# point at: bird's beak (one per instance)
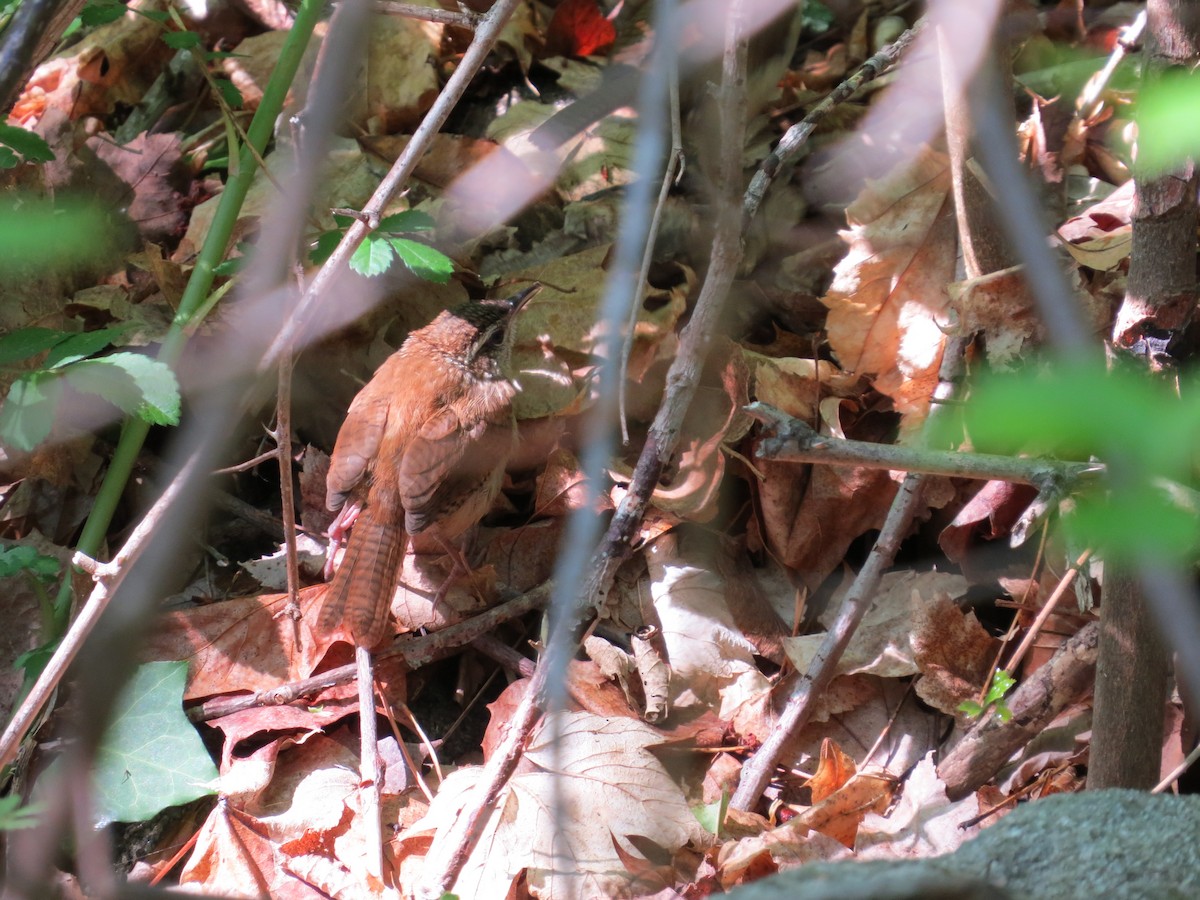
(518, 300)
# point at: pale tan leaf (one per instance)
(568, 821)
(888, 296)
(924, 823)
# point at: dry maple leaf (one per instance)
(589, 794)
(889, 292)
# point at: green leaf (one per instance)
(28, 410)
(56, 236)
(31, 146)
(1002, 683)
(151, 756)
(423, 260)
(407, 221)
(229, 93)
(1168, 121)
(23, 558)
(101, 13)
(26, 342)
(373, 257)
(13, 816)
(182, 40)
(971, 708)
(816, 18)
(343, 221)
(136, 384)
(324, 246)
(711, 816)
(8, 159)
(82, 345)
(155, 15)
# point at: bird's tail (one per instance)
(360, 597)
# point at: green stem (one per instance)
(211, 255)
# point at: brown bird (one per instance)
(423, 449)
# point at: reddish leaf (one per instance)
(578, 28)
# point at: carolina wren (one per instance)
(423, 449)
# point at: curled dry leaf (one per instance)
(887, 303)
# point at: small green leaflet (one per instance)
(374, 257)
(181, 40)
(29, 145)
(423, 260)
(28, 410)
(151, 757)
(13, 816)
(136, 384)
(101, 13)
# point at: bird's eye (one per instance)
(495, 339)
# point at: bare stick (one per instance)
(463, 18)
(368, 741)
(670, 174)
(796, 136)
(791, 440)
(414, 651)
(1047, 608)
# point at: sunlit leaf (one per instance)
(423, 260)
(373, 257)
(136, 384)
(28, 411)
(151, 757)
(407, 221)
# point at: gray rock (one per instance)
(1113, 844)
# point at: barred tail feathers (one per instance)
(360, 597)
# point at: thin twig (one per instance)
(415, 652)
(791, 440)
(670, 175)
(796, 136)
(1089, 100)
(1044, 613)
(370, 789)
(248, 464)
(462, 18)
